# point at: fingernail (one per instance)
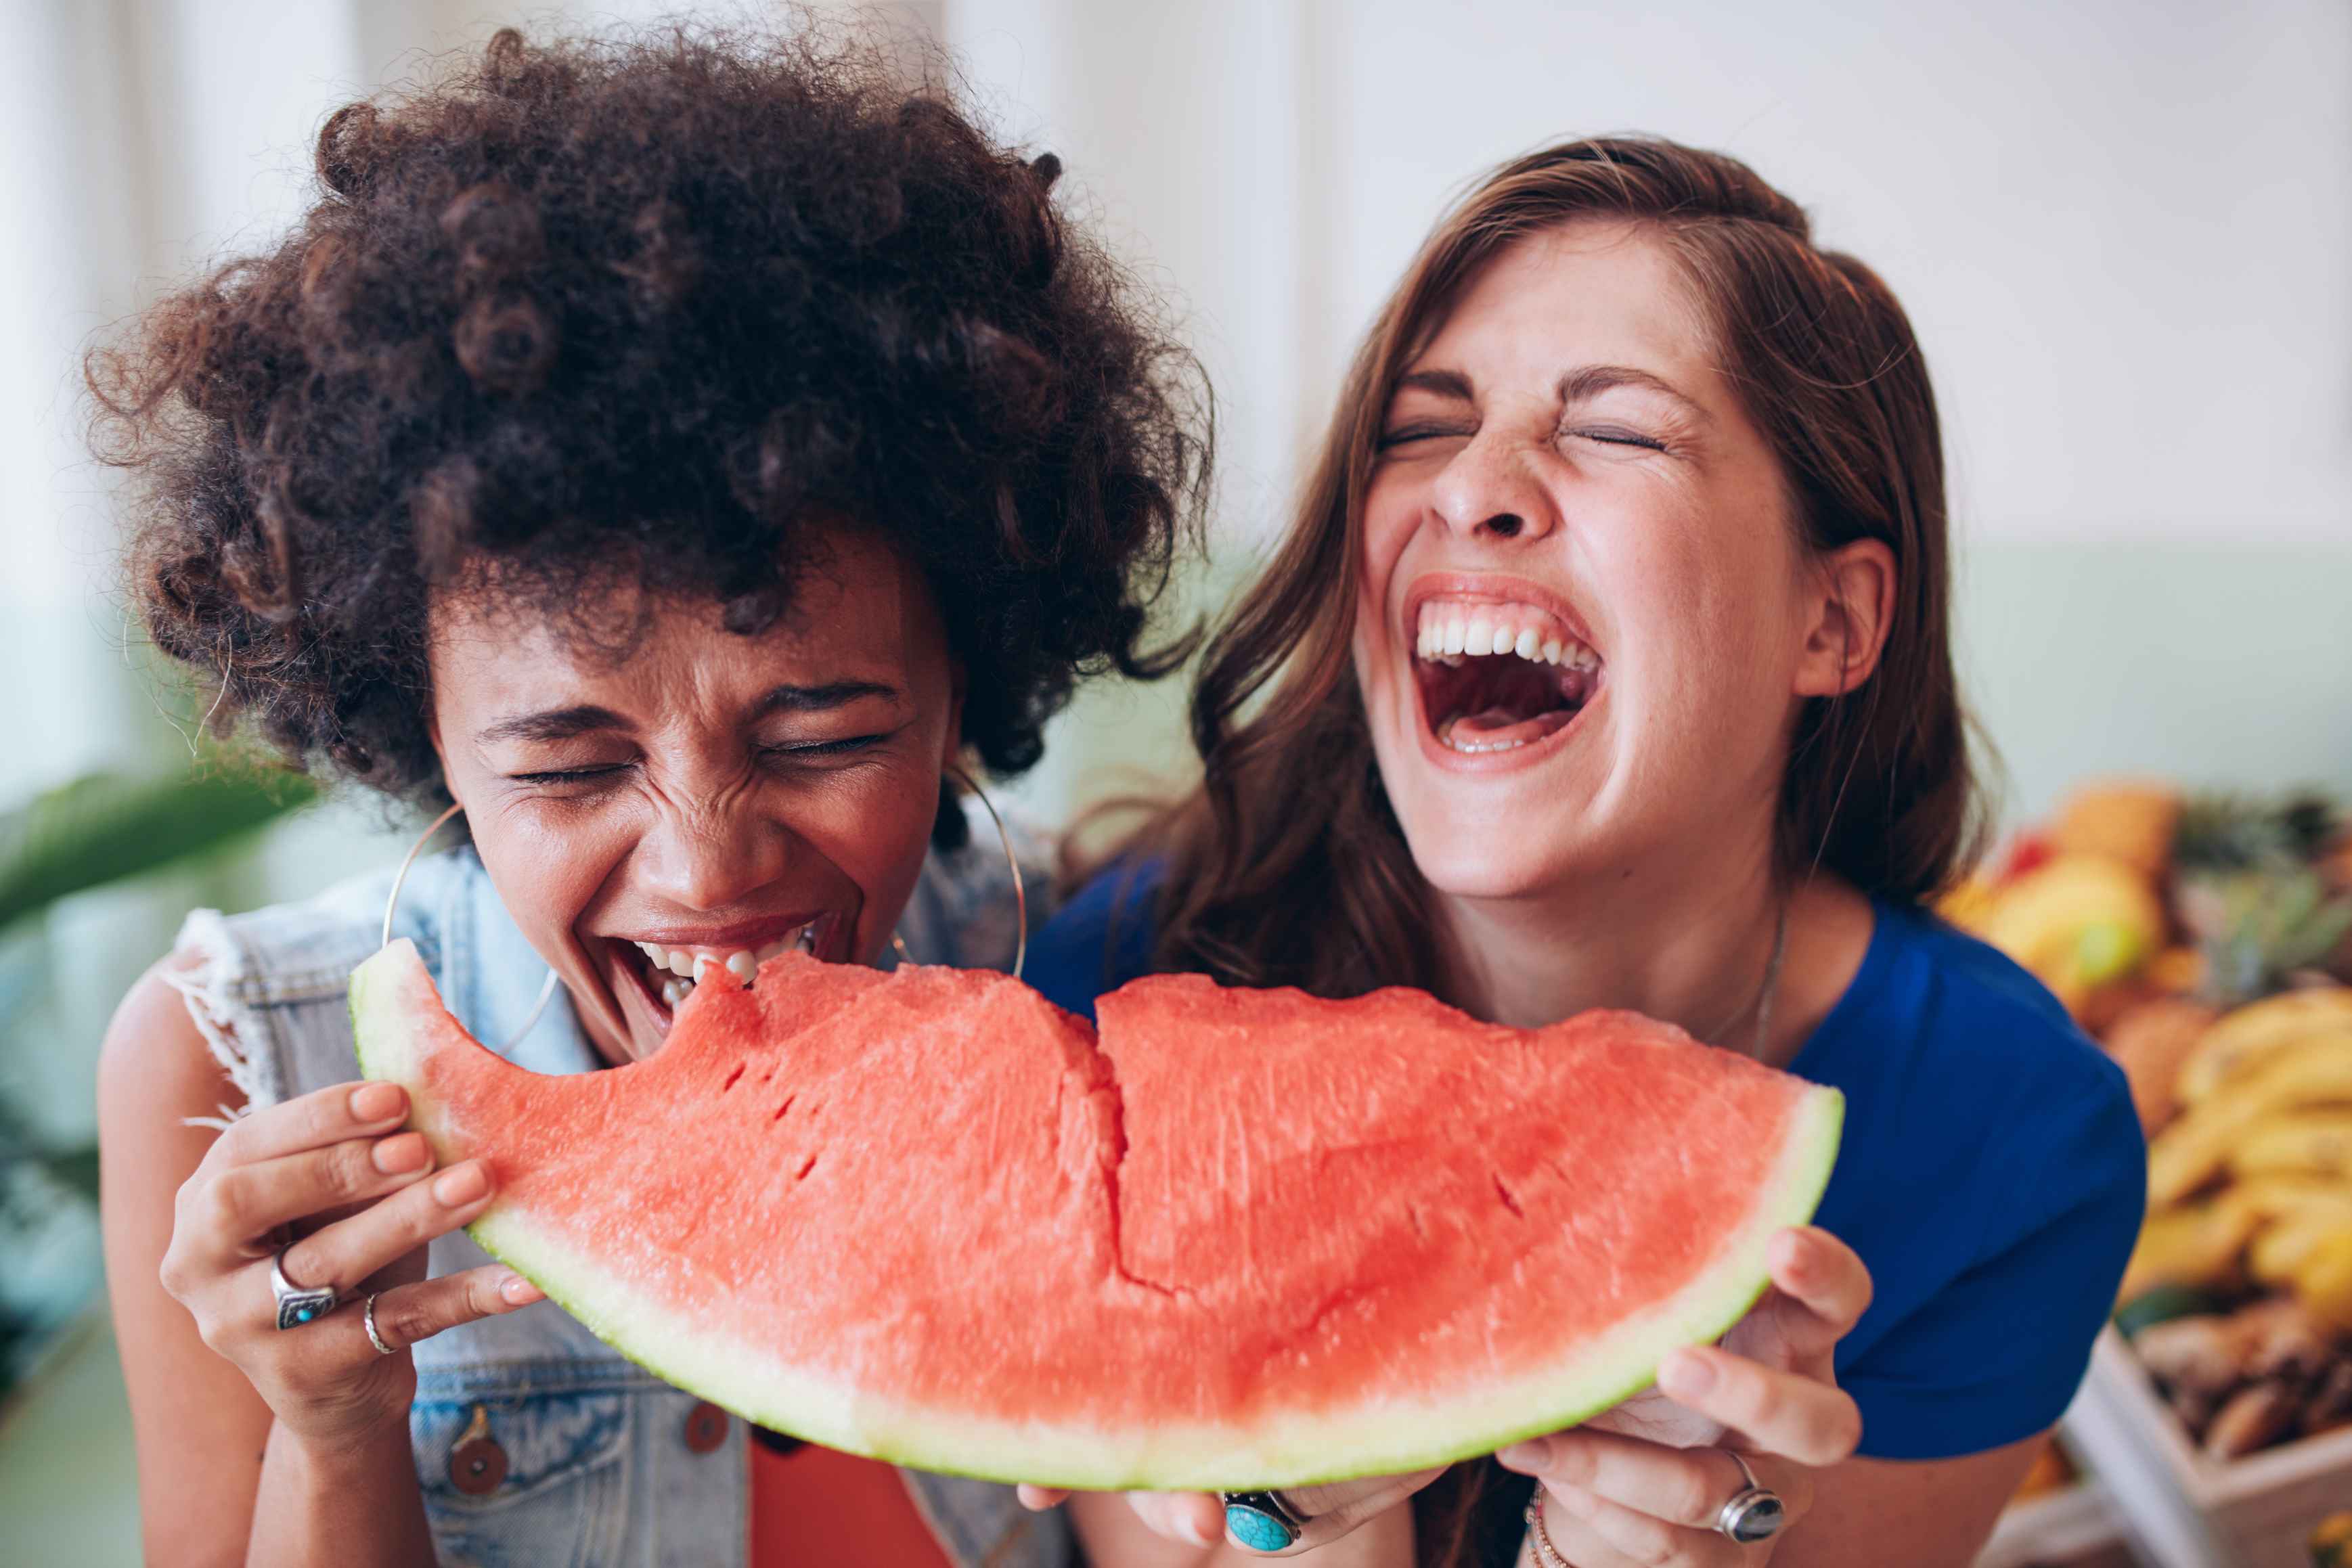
(400, 1152)
(1527, 1456)
(377, 1101)
(1194, 1531)
(517, 1292)
(1686, 1374)
(464, 1185)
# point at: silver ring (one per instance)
(296, 1304)
(1262, 1520)
(1751, 1514)
(367, 1320)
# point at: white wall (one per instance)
(2124, 227)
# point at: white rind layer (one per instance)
(1372, 1435)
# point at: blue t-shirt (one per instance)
(1992, 1174)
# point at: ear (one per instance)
(1851, 605)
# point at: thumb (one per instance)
(1359, 1499)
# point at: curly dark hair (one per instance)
(659, 300)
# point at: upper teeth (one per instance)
(1478, 631)
(688, 965)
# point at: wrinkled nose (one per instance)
(712, 858)
(1491, 488)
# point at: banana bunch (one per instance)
(2077, 921)
(2251, 1184)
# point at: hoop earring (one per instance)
(391, 906)
(1012, 862)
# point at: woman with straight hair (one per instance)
(1614, 635)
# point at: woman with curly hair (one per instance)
(678, 453)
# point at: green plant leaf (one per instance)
(75, 1169)
(104, 827)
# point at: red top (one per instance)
(815, 1505)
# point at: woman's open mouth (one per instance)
(1497, 677)
(664, 974)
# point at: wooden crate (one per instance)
(2183, 1509)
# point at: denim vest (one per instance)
(536, 1446)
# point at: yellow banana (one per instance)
(2244, 1037)
(2276, 1194)
(2195, 1244)
(2281, 1247)
(2199, 1243)
(2324, 1283)
(2193, 1149)
(2318, 1140)
(2077, 921)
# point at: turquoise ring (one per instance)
(295, 1304)
(1261, 1521)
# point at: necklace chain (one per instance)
(1761, 1002)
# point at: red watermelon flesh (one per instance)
(1248, 1239)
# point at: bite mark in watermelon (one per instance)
(1245, 1238)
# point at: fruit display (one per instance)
(2134, 893)
(2207, 943)
(1236, 1239)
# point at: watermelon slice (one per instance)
(1247, 1238)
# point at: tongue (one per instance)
(1500, 728)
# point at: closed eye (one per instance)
(816, 750)
(1613, 436)
(1409, 433)
(570, 775)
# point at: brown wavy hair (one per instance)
(1878, 787)
(649, 303)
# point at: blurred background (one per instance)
(2123, 229)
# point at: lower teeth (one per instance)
(677, 991)
(1445, 736)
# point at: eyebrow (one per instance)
(1590, 381)
(1586, 381)
(1444, 383)
(552, 724)
(587, 718)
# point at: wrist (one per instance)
(332, 1450)
(346, 1495)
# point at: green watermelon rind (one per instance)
(1329, 1446)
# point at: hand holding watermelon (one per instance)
(1625, 1486)
(1645, 1479)
(333, 1167)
